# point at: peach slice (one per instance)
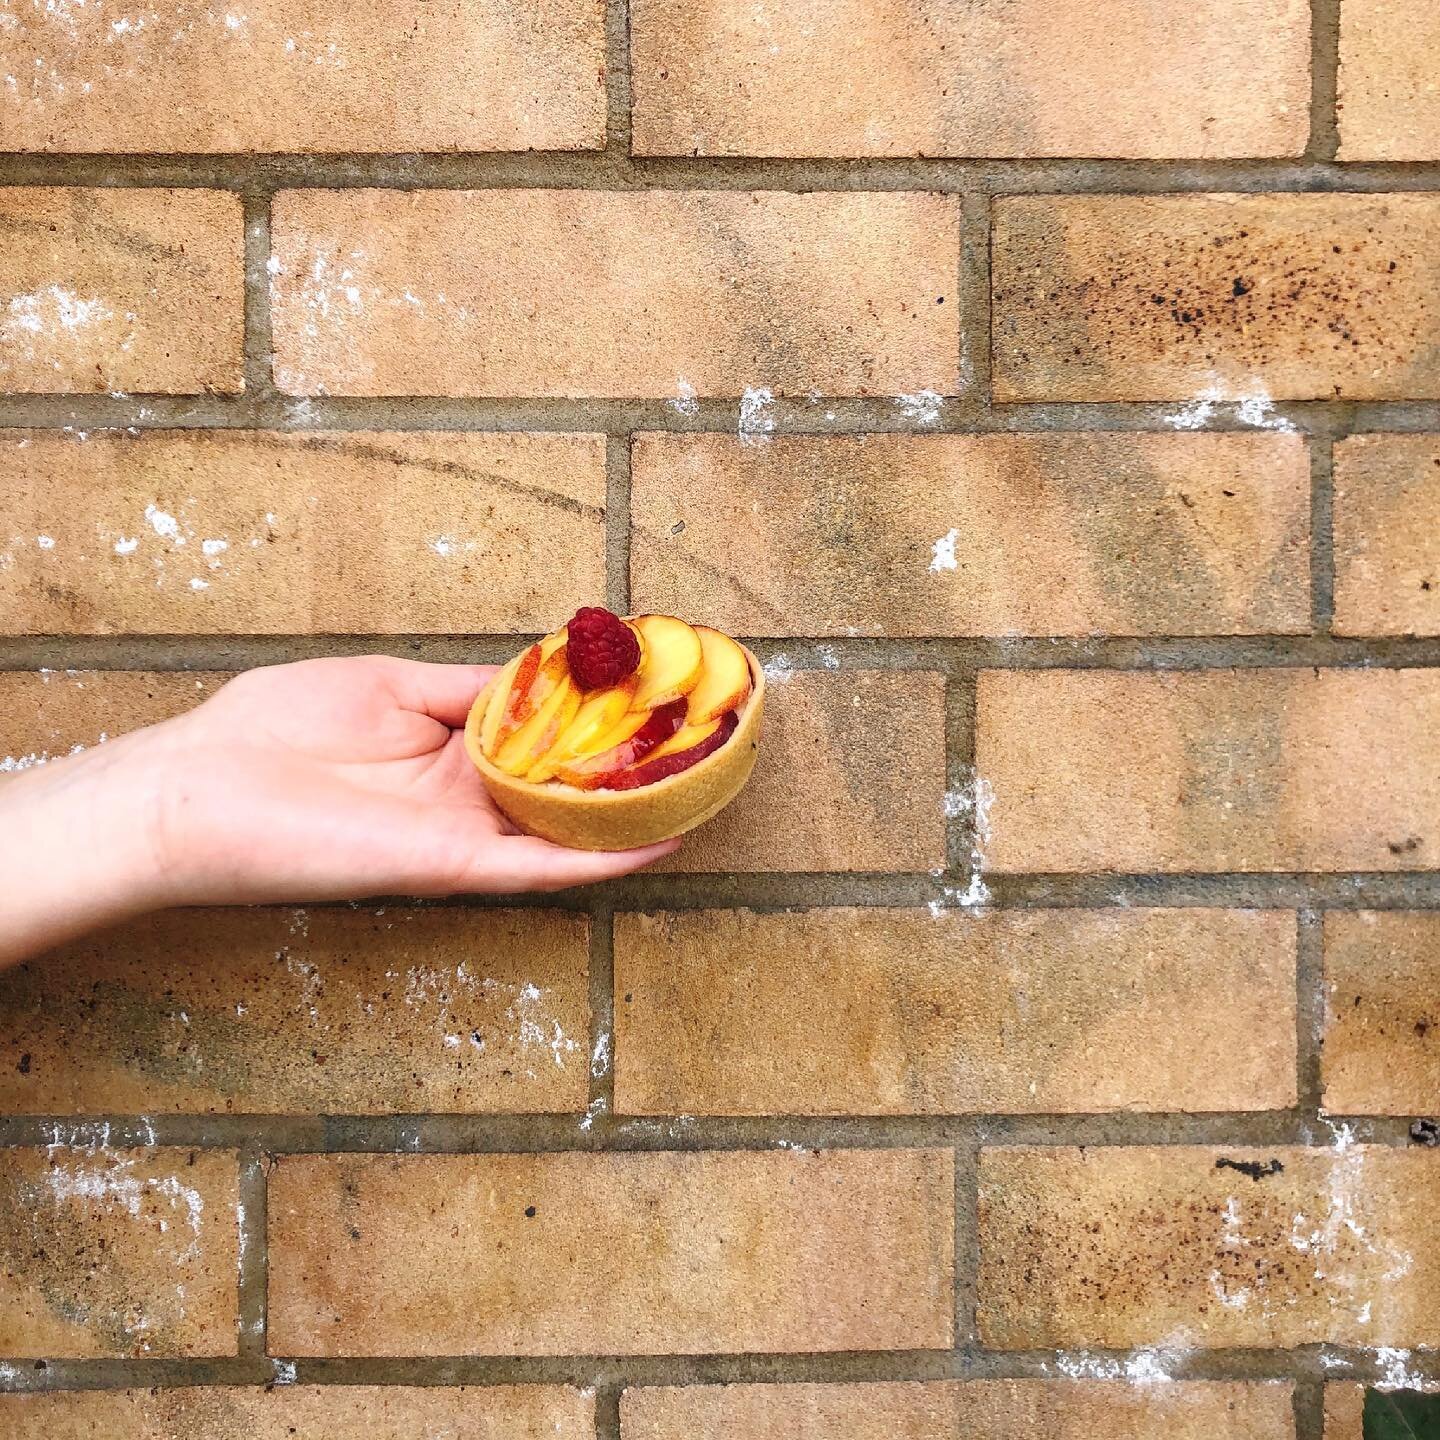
(685, 737)
(499, 696)
(589, 732)
(672, 662)
(594, 772)
(726, 679)
(536, 674)
(517, 754)
(654, 769)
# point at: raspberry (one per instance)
(601, 649)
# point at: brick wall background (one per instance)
(1044, 1042)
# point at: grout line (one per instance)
(617, 523)
(1324, 80)
(1308, 1403)
(1309, 1010)
(254, 1250)
(602, 1059)
(1322, 533)
(961, 840)
(967, 1244)
(607, 1410)
(618, 82)
(973, 306)
(259, 381)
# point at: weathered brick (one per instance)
(974, 534)
(575, 1254)
(1211, 770)
(847, 77)
(724, 1012)
(1387, 535)
(118, 1252)
(1389, 103)
(1185, 1246)
(303, 77)
(994, 1409)
(123, 289)
(293, 1011)
(318, 1412)
(1217, 297)
(202, 532)
(1344, 1411)
(1382, 1023)
(850, 776)
(571, 293)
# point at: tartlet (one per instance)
(613, 733)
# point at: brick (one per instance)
(1344, 1411)
(304, 1012)
(893, 1012)
(1123, 297)
(54, 712)
(974, 534)
(850, 776)
(1389, 104)
(318, 1412)
(1248, 770)
(847, 77)
(306, 77)
(120, 289)
(235, 532)
(1382, 1020)
(575, 293)
(1387, 535)
(995, 1409)
(121, 1253)
(622, 1254)
(1196, 1247)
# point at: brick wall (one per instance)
(1044, 1041)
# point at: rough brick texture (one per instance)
(184, 532)
(556, 292)
(1387, 535)
(850, 776)
(995, 1409)
(1389, 103)
(126, 290)
(310, 76)
(617, 1254)
(331, 1011)
(1200, 298)
(974, 534)
(846, 77)
(1184, 1246)
(118, 1252)
(1211, 770)
(316, 1412)
(1382, 1031)
(1344, 1412)
(897, 1012)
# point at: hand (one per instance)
(323, 780)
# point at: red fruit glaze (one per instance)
(666, 765)
(602, 649)
(597, 772)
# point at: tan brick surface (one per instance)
(994, 1409)
(124, 289)
(1174, 1246)
(722, 1012)
(850, 776)
(1197, 298)
(1387, 535)
(1344, 1412)
(1389, 103)
(317, 75)
(118, 1252)
(846, 77)
(1382, 1030)
(295, 1011)
(557, 292)
(974, 534)
(315, 1412)
(611, 1254)
(202, 532)
(1248, 770)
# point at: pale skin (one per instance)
(323, 780)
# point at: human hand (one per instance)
(323, 780)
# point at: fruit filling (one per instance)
(612, 704)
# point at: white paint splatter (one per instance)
(755, 423)
(284, 1371)
(45, 542)
(1253, 407)
(1141, 1367)
(126, 546)
(685, 401)
(923, 407)
(165, 525)
(214, 547)
(600, 1056)
(942, 553)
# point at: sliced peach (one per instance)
(599, 714)
(539, 671)
(517, 754)
(595, 771)
(725, 682)
(495, 706)
(671, 664)
(685, 738)
(654, 769)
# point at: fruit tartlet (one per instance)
(613, 733)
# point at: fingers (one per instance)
(521, 862)
(444, 692)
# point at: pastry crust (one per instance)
(623, 819)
